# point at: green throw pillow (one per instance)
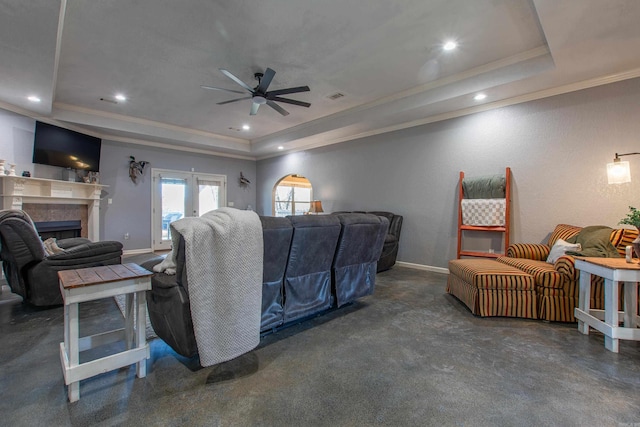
(595, 241)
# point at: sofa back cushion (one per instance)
(395, 223)
(307, 281)
(355, 261)
(564, 232)
(276, 233)
(622, 237)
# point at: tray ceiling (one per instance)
(385, 58)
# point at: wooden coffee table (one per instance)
(615, 271)
(88, 284)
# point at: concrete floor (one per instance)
(408, 355)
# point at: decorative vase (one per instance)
(2, 162)
(636, 246)
(12, 170)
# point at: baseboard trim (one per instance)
(137, 251)
(398, 263)
(423, 267)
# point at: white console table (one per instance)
(16, 190)
(615, 271)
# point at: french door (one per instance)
(179, 194)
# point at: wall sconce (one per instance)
(316, 207)
(619, 172)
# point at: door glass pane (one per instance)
(208, 197)
(173, 192)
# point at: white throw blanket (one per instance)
(223, 258)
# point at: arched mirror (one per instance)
(291, 196)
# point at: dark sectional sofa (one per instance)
(391, 240)
(312, 263)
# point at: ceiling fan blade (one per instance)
(254, 109)
(290, 101)
(288, 91)
(278, 108)
(235, 79)
(233, 100)
(222, 89)
(265, 81)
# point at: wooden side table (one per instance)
(88, 284)
(615, 271)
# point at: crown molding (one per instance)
(109, 137)
(145, 122)
(176, 148)
(533, 96)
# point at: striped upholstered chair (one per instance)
(557, 285)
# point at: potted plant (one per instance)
(633, 218)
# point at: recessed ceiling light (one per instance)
(34, 98)
(246, 127)
(450, 45)
(280, 147)
(120, 97)
(480, 97)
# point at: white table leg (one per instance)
(128, 321)
(72, 336)
(630, 304)
(141, 337)
(66, 329)
(611, 312)
(584, 302)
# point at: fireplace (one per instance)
(51, 200)
(59, 229)
(57, 219)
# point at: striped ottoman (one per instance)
(491, 288)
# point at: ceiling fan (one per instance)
(260, 95)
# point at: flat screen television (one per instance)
(56, 146)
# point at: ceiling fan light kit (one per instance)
(260, 95)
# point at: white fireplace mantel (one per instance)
(16, 190)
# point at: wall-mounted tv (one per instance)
(56, 146)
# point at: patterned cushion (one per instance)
(564, 232)
(622, 237)
(488, 274)
(544, 273)
(537, 251)
(489, 288)
(566, 265)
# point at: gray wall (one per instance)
(130, 211)
(557, 149)
(16, 140)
